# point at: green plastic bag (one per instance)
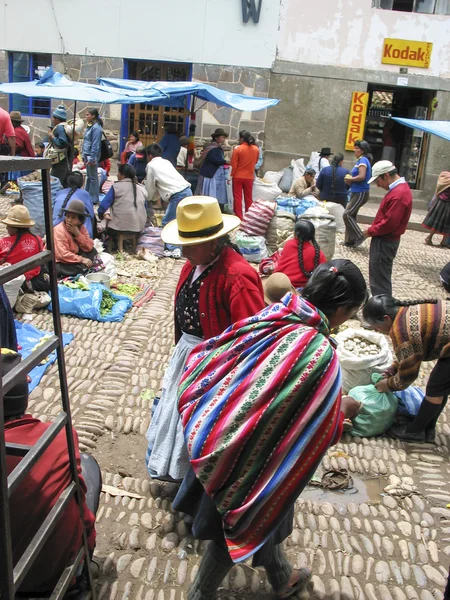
(378, 410)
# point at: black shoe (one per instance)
(347, 244)
(430, 435)
(401, 433)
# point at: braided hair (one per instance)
(21, 231)
(337, 159)
(304, 231)
(129, 172)
(379, 306)
(74, 181)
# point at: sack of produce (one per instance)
(285, 226)
(271, 235)
(409, 400)
(257, 218)
(325, 226)
(252, 247)
(298, 169)
(285, 182)
(361, 354)
(378, 410)
(337, 210)
(263, 190)
(92, 301)
(33, 198)
(12, 287)
(273, 176)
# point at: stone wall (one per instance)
(253, 82)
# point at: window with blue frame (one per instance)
(24, 66)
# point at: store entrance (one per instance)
(405, 147)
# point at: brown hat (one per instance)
(276, 286)
(219, 131)
(16, 115)
(18, 216)
(77, 207)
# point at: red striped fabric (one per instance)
(257, 218)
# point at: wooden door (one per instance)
(150, 120)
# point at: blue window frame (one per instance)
(24, 66)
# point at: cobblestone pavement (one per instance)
(366, 545)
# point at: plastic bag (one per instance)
(337, 210)
(12, 287)
(150, 238)
(409, 400)
(298, 169)
(33, 199)
(285, 182)
(86, 303)
(273, 176)
(378, 409)
(252, 247)
(358, 370)
(265, 191)
(313, 162)
(325, 226)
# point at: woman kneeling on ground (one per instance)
(260, 406)
(124, 206)
(21, 244)
(301, 256)
(420, 331)
(74, 249)
(217, 287)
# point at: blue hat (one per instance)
(60, 113)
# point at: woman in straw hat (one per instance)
(74, 248)
(21, 244)
(212, 180)
(217, 287)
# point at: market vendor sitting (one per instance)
(74, 248)
(21, 244)
(36, 495)
(305, 185)
(73, 190)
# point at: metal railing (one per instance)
(11, 576)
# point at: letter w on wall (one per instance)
(251, 8)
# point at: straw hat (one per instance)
(18, 216)
(198, 220)
(77, 207)
(276, 286)
(15, 115)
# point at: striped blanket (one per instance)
(260, 405)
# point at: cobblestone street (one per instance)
(365, 545)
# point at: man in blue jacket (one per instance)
(91, 152)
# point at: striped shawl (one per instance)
(260, 405)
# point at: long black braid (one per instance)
(129, 172)
(337, 159)
(20, 233)
(304, 232)
(74, 181)
(379, 306)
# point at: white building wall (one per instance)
(350, 33)
(197, 31)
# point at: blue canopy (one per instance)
(57, 86)
(175, 93)
(439, 128)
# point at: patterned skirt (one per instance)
(438, 217)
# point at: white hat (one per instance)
(381, 168)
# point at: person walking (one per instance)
(91, 152)
(359, 188)
(419, 331)
(212, 180)
(389, 225)
(243, 164)
(170, 144)
(438, 216)
(59, 148)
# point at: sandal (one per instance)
(304, 577)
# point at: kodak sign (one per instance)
(406, 53)
(357, 119)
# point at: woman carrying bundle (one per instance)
(260, 405)
(420, 331)
(73, 190)
(301, 255)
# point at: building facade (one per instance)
(377, 58)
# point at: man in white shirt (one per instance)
(182, 155)
(163, 179)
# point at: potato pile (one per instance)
(361, 347)
(34, 176)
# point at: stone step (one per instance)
(369, 210)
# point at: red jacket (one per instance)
(33, 500)
(393, 215)
(230, 292)
(28, 246)
(290, 266)
(23, 143)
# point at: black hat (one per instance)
(15, 401)
(325, 152)
(218, 132)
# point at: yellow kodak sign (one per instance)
(357, 119)
(406, 53)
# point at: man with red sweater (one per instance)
(389, 225)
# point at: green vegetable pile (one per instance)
(107, 303)
(76, 285)
(128, 289)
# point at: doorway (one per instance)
(148, 120)
(405, 147)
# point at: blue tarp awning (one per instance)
(175, 93)
(59, 87)
(439, 128)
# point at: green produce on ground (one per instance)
(107, 303)
(128, 289)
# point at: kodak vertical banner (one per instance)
(357, 119)
(406, 53)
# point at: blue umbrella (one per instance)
(439, 128)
